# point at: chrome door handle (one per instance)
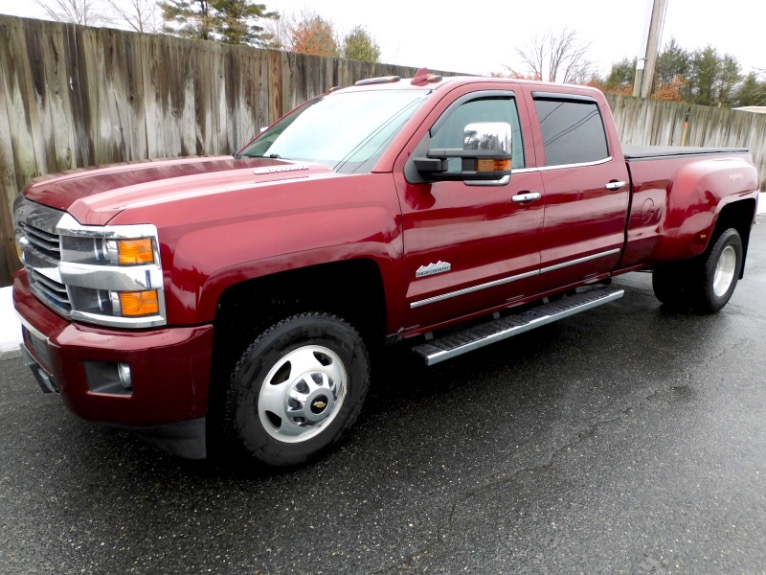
(615, 185)
(525, 198)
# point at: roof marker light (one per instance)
(423, 77)
(381, 80)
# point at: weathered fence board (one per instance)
(72, 96)
(649, 122)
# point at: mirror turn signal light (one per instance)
(493, 165)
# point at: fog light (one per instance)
(126, 379)
(109, 378)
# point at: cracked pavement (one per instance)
(624, 440)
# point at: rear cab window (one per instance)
(572, 129)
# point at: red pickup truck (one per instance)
(233, 301)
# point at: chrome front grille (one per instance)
(41, 244)
(76, 269)
(50, 291)
(45, 242)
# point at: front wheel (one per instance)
(711, 287)
(296, 389)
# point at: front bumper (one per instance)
(169, 367)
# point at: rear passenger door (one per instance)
(586, 189)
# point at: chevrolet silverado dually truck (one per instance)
(230, 304)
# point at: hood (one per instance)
(96, 195)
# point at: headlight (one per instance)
(98, 250)
(108, 275)
(113, 273)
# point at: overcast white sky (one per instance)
(480, 37)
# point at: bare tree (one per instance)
(136, 15)
(85, 12)
(556, 57)
(280, 31)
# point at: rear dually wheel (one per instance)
(706, 283)
(711, 287)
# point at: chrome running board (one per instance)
(477, 336)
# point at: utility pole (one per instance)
(645, 66)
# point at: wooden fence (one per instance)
(649, 122)
(72, 96)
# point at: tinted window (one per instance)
(450, 133)
(573, 132)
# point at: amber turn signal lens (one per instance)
(134, 252)
(493, 165)
(138, 303)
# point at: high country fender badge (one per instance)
(438, 268)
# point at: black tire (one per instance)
(669, 285)
(712, 282)
(295, 391)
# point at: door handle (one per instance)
(525, 198)
(615, 185)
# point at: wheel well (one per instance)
(351, 289)
(740, 216)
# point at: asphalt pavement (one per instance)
(628, 439)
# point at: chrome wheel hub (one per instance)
(302, 393)
(725, 270)
(311, 399)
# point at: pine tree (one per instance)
(230, 21)
(622, 76)
(752, 92)
(237, 22)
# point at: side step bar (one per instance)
(477, 336)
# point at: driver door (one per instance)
(470, 246)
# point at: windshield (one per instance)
(346, 132)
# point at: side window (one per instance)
(573, 131)
(450, 133)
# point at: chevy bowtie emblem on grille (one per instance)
(431, 269)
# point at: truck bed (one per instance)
(675, 194)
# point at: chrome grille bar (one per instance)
(41, 240)
(42, 253)
(50, 291)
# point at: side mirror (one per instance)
(486, 155)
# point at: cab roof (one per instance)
(425, 80)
